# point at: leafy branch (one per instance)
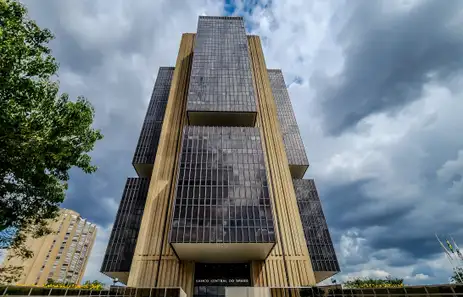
(43, 134)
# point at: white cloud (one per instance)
(451, 167)
(109, 204)
(450, 170)
(380, 269)
(419, 276)
(351, 244)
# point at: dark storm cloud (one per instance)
(68, 51)
(90, 194)
(400, 260)
(422, 246)
(388, 59)
(424, 269)
(97, 196)
(407, 224)
(393, 258)
(73, 56)
(414, 232)
(348, 206)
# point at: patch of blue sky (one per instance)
(244, 8)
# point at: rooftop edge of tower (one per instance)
(221, 17)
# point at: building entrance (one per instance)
(212, 278)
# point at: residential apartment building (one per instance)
(62, 255)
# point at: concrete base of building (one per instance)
(222, 252)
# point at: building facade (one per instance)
(62, 255)
(220, 200)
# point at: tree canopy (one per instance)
(87, 285)
(43, 134)
(457, 276)
(387, 282)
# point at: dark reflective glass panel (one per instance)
(121, 245)
(148, 141)
(316, 231)
(292, 140)
(222, 193)
(221, 78)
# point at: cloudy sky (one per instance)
(376, 85)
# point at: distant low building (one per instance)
(61, 255)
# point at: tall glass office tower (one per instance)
(220, 200)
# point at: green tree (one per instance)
(89, 285)
(43, 134)
(387, 282)
(94, 285)
(457, 276)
